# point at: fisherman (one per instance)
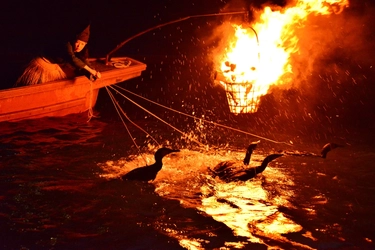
(65, 62)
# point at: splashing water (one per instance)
(248, 208)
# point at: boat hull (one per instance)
(63, 97)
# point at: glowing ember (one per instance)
(255, 58)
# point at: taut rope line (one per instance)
(206, 121)
(183, 133)
(117, 107)
(90, 111)
(127, 117)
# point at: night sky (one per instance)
(27, 25)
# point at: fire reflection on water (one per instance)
(249, 209)
(245, 207)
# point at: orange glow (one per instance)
(248, 65)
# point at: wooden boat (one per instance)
(68, 96)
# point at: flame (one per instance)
(259, 56)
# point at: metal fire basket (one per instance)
(242, 97)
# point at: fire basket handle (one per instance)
(171, 22)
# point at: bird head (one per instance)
(252, 145)
(161, 152)
(328, 147)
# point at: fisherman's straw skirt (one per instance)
(40, 70)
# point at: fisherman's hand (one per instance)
(98, 75)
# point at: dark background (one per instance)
(332, 86)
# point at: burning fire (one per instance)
(256, 58)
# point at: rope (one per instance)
(90, 112)
(194, 140)
(171, 22)
(136, 125)
(204, 120)
(117, 107)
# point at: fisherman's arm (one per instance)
(81, 64)
(88, 67)
(93, 72)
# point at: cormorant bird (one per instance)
(235, 171)
(328, 147)
(148, 173)
(229, 171)
(223, 166)
(323, 153)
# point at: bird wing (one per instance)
(223, 166)
(141, 174)
(234, 175)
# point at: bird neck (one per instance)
(262, 167)
(246, 160)
(158, 164)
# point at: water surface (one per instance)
(61, 190)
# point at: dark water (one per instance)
(60, 189)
